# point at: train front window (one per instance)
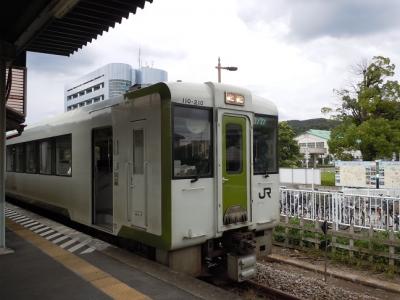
(192, 142)
(265, 141)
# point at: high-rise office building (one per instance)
(108, 81)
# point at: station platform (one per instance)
(47, 264)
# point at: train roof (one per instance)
(213, 93)
(172, 90)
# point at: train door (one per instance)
(102, 172)
(137, 190)
(235, 169)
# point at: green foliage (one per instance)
(301, 126)
(376, 246)
(288, 149)
(370, 114)
(328, 178)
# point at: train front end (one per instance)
(225, 174)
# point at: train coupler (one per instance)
(241, 268)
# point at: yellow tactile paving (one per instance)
(98, 278)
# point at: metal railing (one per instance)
(387, 192)
(365, 211)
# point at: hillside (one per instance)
(300, 126)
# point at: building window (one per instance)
(75, 96)
(81, 93)
(45, 150)
(192, 142)
(319, 144)
(96, 87)
(88, 102)
(311, 145)
(63, 155)
(118, 87)
(81, 104)
(89, 90)
(31, 157)
(302, 145)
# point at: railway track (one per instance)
(271, 293)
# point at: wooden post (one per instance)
(391, 248)
(316, 234)
(351, 241)
(286, 231)
(333, 238)
(301, 232)
(370, 237)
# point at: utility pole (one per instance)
(219, 68)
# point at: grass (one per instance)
(368, 261)
(328, 178)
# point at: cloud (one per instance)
(292, 52)
(312, 19)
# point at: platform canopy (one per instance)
(58, 27)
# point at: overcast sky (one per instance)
(293, 52)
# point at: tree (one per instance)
(288, 148)
(369, 112)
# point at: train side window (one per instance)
(138, 151)
(265, 141)
(20, 158)
(10, 158)
(192, 142)
(31, 157)
(45, 150)
(63, 155)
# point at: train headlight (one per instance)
(234, 98)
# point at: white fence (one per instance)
(300, 176)
(378, 212)
(373, 192)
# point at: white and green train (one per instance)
(187, 169)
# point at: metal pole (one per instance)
(312, 183)
(219, 70)
(377, 174)
(7, 53)
(2, 149)
(307, 157)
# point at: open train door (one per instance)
(233, 169)
(102, 173)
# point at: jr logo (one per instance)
(267, 191)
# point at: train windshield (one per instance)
(265, 144)
(192, 142)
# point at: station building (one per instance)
(314, 144)
(108, 81)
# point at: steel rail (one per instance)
(274, 293)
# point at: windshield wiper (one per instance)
(194, 179)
